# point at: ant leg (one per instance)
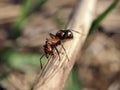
(65, 51)
(57, 52)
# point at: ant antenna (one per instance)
(73, 31)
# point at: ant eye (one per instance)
(69, 34)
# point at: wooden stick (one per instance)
(56, 72)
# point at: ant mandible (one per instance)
(50, 44)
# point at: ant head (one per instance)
(64, 34)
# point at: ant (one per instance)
(51, 44)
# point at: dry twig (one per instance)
(55, 73)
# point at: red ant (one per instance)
(50, 44)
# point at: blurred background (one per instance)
(24, 27)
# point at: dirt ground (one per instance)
(98, 65)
